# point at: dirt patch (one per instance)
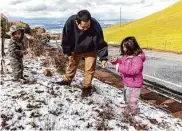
(109, 78)
(163, 102)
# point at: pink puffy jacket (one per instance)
(131, 68)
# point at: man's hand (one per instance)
(104, 63)
(69, 57)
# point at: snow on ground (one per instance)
(48, 106)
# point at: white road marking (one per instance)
(163, 80)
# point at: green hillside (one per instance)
(162, 30)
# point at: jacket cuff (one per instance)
(101, 59)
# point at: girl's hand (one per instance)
(113, 59)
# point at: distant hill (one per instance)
(161, 30)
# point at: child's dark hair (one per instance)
(83, 15)
(131, 45)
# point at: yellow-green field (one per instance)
(161, 31)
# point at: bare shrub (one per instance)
(60, 63)
(47, 72)
(52, 57)
(47, 61)
(105, 115)
(36, 48)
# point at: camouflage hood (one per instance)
(14, 28)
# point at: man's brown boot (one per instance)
(86, 91)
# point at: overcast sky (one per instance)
(101, 9)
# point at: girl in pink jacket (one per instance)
(130, 65)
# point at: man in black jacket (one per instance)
(83, 37)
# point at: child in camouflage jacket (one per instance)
(16, 50)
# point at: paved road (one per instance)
(162, 68)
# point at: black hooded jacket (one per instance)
(91, 40)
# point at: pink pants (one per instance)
(131, 97)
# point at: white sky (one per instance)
(102, 9)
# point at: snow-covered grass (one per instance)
(48, 106)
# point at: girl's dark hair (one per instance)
(83, 15)
(131, 45)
